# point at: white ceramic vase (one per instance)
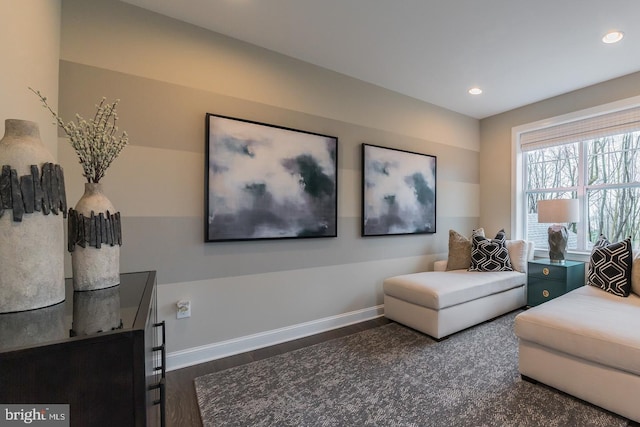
(95, 266)
(31, 247)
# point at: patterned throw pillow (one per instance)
(459, 257)
(601, 242)
(610, 268)
(488, 254)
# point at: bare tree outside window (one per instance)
(604, 173)
(613, 187)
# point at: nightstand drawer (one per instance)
(540, 290)
(547, 271)
(548, 280)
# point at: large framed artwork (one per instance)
(398, 192)
(268, 182)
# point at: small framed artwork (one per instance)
(398, 192)
(268, 182)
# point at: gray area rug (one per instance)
(393, 376)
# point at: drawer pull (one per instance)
(162, 401)
(162, 349)
(160, 385)
(545, 293)
(545, 271)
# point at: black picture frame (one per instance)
(268, 182)
(398, 192)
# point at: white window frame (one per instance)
(518, 211)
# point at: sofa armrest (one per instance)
(440, 265)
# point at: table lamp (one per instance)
(558, 212)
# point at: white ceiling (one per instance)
(517, 51)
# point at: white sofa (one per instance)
(586, 343)
(439, 303)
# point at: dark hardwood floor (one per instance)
(182, 407)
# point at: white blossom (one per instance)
(95, 141)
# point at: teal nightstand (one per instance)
(548, 280)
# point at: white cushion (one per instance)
(588, 323)
(635, 274)
(441, 289)
(519, 255)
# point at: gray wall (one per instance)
(168, 74)
(30, 48)
(496, 141)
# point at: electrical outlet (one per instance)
(184, 309)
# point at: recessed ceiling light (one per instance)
(612, 37)
(475, 91)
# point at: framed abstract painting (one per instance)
(268, 182)
(398, 192)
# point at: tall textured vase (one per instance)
(32, 207)
(94, 241)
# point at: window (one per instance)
(595, 160)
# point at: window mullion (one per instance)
(581, 194)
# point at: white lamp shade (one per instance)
(558, 211)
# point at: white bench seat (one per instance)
(590, 324)
(440, 303)
(442, 289)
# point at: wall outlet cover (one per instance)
(184, 309)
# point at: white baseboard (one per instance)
(205, 353)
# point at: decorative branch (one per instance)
(95, 141)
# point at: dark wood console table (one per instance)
(97, 351)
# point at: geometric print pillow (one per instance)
(489, 254)
(601, 242)
(610, 268)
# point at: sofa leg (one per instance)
(528, 379)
